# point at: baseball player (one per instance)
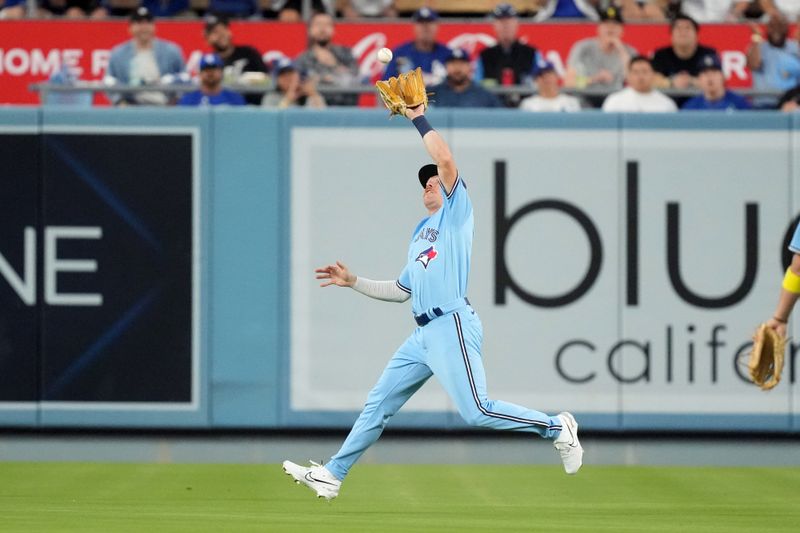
(790, 289)
(447, 340)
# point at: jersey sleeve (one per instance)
(404, 281)
(458, 203)
(794, 244)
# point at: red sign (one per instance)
(30, 51)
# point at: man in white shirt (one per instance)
(549, 97)
(639, 96)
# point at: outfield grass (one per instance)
(89, 497)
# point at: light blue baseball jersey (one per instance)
(794, 244)
(440, 252)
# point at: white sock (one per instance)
(564, 435)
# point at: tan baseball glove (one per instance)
(766, 359)
(403, 92)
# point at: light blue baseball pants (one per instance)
(449, 348)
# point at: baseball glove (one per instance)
(403, 92)
(766, 359)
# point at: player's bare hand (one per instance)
(779, 327)
(337, 274)
(412, 113)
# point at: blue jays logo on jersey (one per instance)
(426, 256)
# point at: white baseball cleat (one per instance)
(316, 477)
(568, 445)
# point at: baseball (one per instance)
(384, 55)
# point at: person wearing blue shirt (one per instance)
(423, 51)
(775, 62)
(458, 89)
(447, 340)
(211, 91)
(715, 96)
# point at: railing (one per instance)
(45, 89)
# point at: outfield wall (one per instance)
(157, 265)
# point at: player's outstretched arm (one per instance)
(790, 291)
(340, 275)
(436, 146)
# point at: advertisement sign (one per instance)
(31, 51)
(19, 303)
(611, 276)
(101, 262)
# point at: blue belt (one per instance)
(435, 312)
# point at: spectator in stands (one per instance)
(13, 10)
(549, 97)
(775, 63)
(423, 51)
(292, 89)
(600, 62)
(331, 64)
(211, 91)
(677, 65)
(157, 8)
(648, 10)
(458, 89)
(242, 64)
(715, 96)
(567, 9)
(143, 59)
(292, 10)
(789, 9)
(356, 9)
(639, 96)
(71, 9)
(715, 10)
(510, 61)
(790, 101)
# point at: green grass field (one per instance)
(88, 497)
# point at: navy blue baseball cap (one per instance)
(141, 14)
(425, 14)
(426, 172)
(611, 14)
(282, 65)
(541, 66)
(504, 11)
(709, 62)
(457, 54)
(210, 61)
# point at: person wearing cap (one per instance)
(510, 61)
(715, 96)
(774, 60)
(640, 96)
(330, 63)
(446, 341)
(292, 89)
(424, 51)
(241, 63)
(144, 59)
(458, 89)
(600, 62)
(549, 97)
(677, 65)
(211, 91)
